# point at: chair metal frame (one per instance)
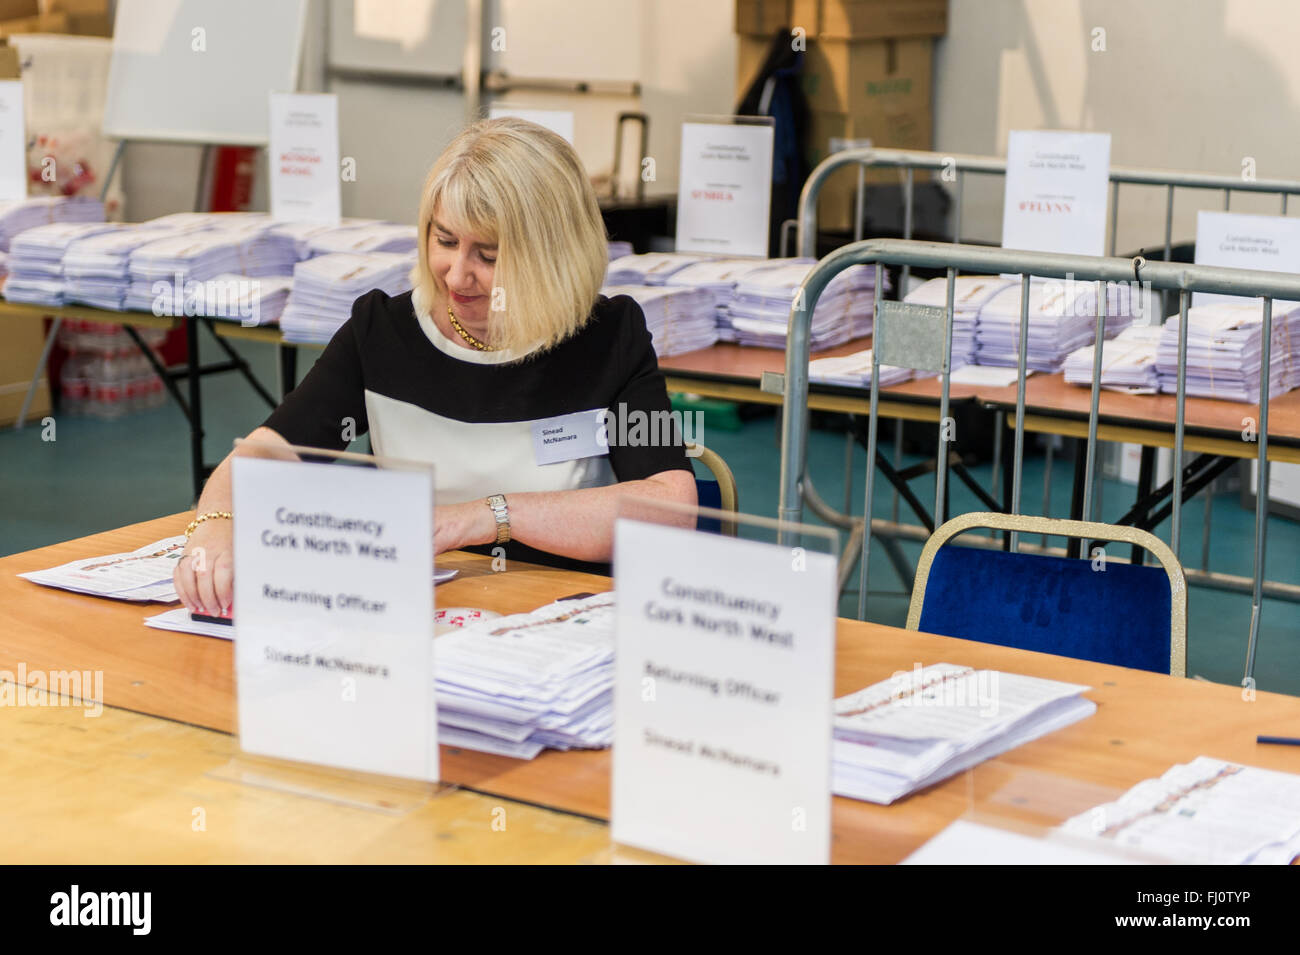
(1057, 527)
(728, 491)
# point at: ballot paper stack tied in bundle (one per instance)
(238, 298)
(652, 268)
(325, 287)
(854, 371)
(262, 249)
(143, 574)
(301, 234)
(373, 237)
(680, 319)
(760, 308)
(519, 684)
(176, 262)
(35, 260)
(1062, 319)
(1225, 351)
(920, 727)
(970, 293)
(1128, 362)
(720, 277)
(619, 249)
(97, 269)
(1206, 812)
(19, 215)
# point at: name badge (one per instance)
(570, 437)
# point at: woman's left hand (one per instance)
(460, 525)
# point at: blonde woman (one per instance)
(503, 335)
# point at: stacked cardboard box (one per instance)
(867, 78)
(78, 17)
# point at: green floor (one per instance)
(96, 475)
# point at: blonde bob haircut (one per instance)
(521, 186)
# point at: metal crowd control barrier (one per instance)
(921, 337)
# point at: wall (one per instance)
(1181, 84)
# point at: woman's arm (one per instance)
(577, 524)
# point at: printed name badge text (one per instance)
(570, 437)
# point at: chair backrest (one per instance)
(720, 493)
(1093, 608)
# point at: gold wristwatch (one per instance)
(499, 510)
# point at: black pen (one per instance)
(1280, 740)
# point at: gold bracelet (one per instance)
(193, 525)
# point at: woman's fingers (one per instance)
(183, 581)
(223, 579)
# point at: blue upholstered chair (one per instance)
(719, 494)
(1109, 611)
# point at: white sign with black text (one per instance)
(1056, 192)
(724, 192)
(1268, 243)
(722, 697)
(304, 158)
(334, 608)
(13, 141)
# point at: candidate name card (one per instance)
(1269, 243)
(558, 121)
(1056, 192)
(723, 697)
(334, 609)
(304, 157)
(724, 192)
(13, 141)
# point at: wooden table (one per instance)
(1145, 722)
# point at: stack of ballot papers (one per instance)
(1206, 812)
(970, 293)
(1128, 362)
(680, 319)
(97, 269)
(372, 237)
(719, 277)
(516, 685)
(1062, 319)
(144, 574)
(652, 268)
(760, 308)
(1225, 351)
(179, 260)
(238, 298)
(920, 727)
(35, 260)
(854, 371)
(619, 249)
(302, 233)
(325, 287)
(19, 215)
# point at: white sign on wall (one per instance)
(1055, 197)
(724, 193)
(723, 697)
(334, 608)
(304, 158)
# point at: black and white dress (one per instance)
(423, 397)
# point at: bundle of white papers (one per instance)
(302, 233)
(1062, 319)
(619, 249)
(854, 371)
(680, 319)
(1206, 812)
(970, 294)
(652, 268)
(920, 727)
(238, 298)
(19, 215)
(36, 260)
(325, 287)
(1128, 362)
(179, 260)
(516, 685)
(143, 574)
(1225, 351)
(760, 308)
(373, 237)
(719, 277)
(97, 269)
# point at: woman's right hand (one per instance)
(205, 575)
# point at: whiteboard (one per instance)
(200, 71)
(413, 37)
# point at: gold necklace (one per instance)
(460, 330)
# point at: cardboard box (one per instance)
(913, 129)
(762, 17)
(870, 19)
(9, 67)
(23, 341)
(19, 9)
(85, 17)
(869, 76)
(45, 23)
